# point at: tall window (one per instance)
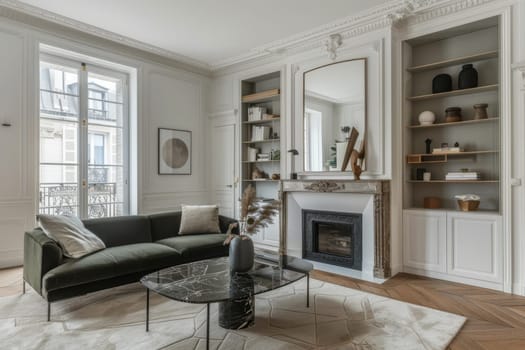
(83, 139)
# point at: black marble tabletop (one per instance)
(209, 281)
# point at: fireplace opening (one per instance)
(332, 237)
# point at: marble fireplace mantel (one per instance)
(380, 189)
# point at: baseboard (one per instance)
(451, 278)
(396, 269)
(11, 258)
(518, 289)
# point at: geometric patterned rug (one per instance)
(338, 318)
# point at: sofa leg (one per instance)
(48, 311)
(307, 290)
(23, 286)
(147, 309)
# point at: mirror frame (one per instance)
(337, 172)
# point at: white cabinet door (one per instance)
(474, 246)
(424, 240)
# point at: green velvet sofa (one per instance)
(135, 246)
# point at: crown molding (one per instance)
(392, 13)
(101, 33)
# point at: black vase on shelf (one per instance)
(468, 77)
(441, 83)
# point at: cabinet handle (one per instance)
(229, 186)
(6, 124)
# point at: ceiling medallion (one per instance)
(333, 42)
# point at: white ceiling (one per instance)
(209, 31)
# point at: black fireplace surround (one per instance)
(333, 238)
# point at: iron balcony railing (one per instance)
(62, 199)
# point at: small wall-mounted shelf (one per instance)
(463, 122)
(261, 161)
(263, 96)
(454, 61)
(260, 180)
(454, 181)
(262, 121)
(441, 157)
(262, 141)
(454, 93)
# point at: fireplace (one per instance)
(333, 238)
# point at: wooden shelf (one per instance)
(425, 158)
(464, 122)
(261, 180)
(480, 211)
(264, 96)
(454, 181)
(454, 61)
(262, 141)
(454, 93)
(263, 121)
(262, 161)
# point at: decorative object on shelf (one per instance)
(345, 130)
(419, 173)
(276, 176)
(333, 42)
(256, 113)
(332, 162)
(255, 215)
(441, 83)
(480, 110)
(293, 153)
(468, 202)
(352, 139)
(174, 151)
(357, 159)
(427, 176)
(456, 144)
(258, 174)
(275, 154)
(431, 202)
(453, 114)
(428, 142)
(427, 118)
(252, 154)
(468, 77)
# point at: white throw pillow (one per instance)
(70, 234)
(199, 219)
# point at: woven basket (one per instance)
(468, 205)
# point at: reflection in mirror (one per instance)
(334, 103)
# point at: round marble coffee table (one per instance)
(210, 281)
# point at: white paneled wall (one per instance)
(167, 97)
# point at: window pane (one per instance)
(106, 145)
(105, 98)
(58, 141)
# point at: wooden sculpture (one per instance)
(357, 160)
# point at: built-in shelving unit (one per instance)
(446, 52)
(262, 92)
(439, 240)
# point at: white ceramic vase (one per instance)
(427, 118)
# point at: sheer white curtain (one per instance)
(313, 140)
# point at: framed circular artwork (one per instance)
(174, 152)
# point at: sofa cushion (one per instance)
(70, 234)
(111, 262)
(121, 230)
(197, 247)
(165, 225)
(197, 219)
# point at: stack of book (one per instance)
(260, 133)
(256, 113)
(455, 176)
(263, 156)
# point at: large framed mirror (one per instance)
(334, 121)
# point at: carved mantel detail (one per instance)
(380, 189)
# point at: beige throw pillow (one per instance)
(70, 234)
(199, 219)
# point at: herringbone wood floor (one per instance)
(495, 320)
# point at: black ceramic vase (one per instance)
(468, 77)
(241, 254)
(441, 83)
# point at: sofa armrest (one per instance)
(41, 254)
(224, 223)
